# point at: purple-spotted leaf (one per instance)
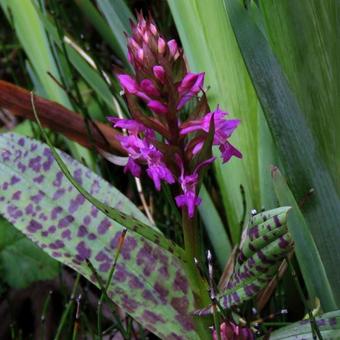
(328, 324)
(266, 243)
(149, 282)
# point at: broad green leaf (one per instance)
(149, 283)
(98, 22)
(304, 38)
(267, 242)
(328, 324)
(210, 46)
(214, 228)
(20, 255)
(299, 151)
(306, 251)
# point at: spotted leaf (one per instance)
(265, 245)
(149, 282)
(328, 324)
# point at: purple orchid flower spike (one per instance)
(163, 84)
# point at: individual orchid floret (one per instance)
(157, 170)
(140, 150)
(173, 47)
(131, 125)
(190, 85)
(188, 198)
(189, 183)
(131, 86)
(223, 130)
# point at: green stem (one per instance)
(197, 283)
(68, 308)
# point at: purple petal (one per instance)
(149, 88)
(190, 85)
(190, 200)
(133, 167)
(157, 107)
(227, 151)
(128, 83)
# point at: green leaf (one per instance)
(328, 324)
(298, 149)
(214, 228)
(303, 37)
(267, 242)
(117, 15)
(307, 254)
(99, 23)
(149, 283)
(90, 75)
(20, 255)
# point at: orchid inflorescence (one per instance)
(175, 146)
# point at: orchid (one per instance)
(168, 146)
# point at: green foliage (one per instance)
(20, 255)
(297, 147)
(329, 326)
(149, 283)
(307, 253)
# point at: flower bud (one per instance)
(161, 45)
(149, 88)
(157, 107)
(173, 48)
(159, 72)
(128, 83)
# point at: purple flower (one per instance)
(130, 85)
(131, 125)
(189, 187)
(190, 85)
(134, 146)
(133, 167)
(223, 130)
(141, 150)
(157, 170)
(189, 197)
